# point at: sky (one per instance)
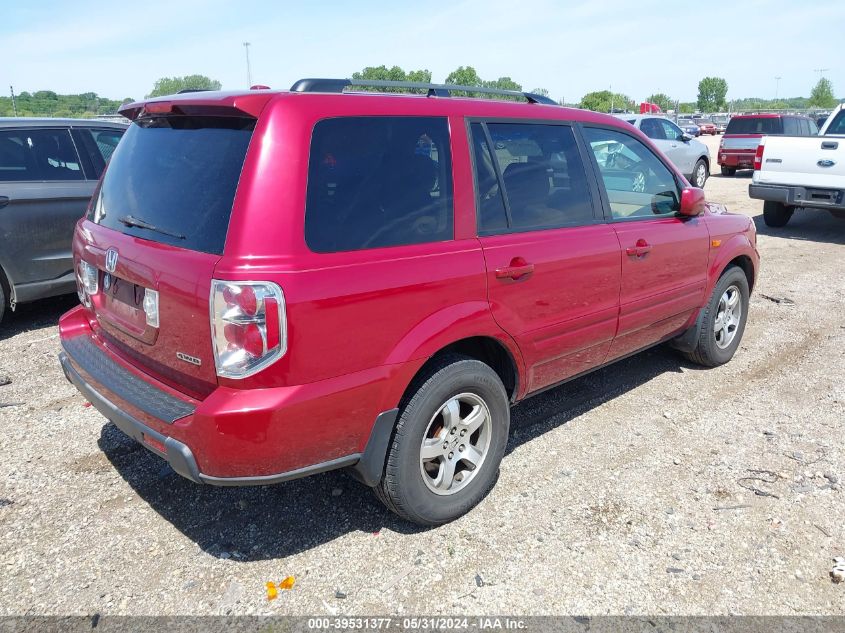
(119, 49)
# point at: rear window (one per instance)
(177, 177)
(378, 181)
(755, 125)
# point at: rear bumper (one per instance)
(737, 160)
(236, 437)
(795, 196)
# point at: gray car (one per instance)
(690, 156)
(48, 171)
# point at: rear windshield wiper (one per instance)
(131, 220)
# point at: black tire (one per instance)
(707, 352)
(776, 214)
(699, 164)
(728, 171)
(402, 488)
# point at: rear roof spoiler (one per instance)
(200, 103)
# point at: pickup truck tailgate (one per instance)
(808, 161)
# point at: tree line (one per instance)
(712, 94)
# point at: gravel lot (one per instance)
(627, 491)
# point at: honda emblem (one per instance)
(111, 260)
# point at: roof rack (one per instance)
(433, 90)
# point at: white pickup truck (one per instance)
(806, 171)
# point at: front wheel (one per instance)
(448, 443)
(700, 174)
(776, 214)
(728, 171)
(723, 321)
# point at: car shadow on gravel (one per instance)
(36, 315)
(271, 522)
(811, 225)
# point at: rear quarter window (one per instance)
(378, 181)
(33, 154)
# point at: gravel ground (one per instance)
(627, 491)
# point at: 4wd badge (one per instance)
(189, 359)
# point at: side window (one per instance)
(491, 213)
(814, 129)
(32, 154)
(790, 126)
(543, 177)
(652, 129)
(378, 181)
(96, 146)
(672, 131)
(638, 184)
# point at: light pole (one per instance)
(777, 87)
(248, 69)
(14, 105)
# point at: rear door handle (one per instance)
(4, 200)
(641, 249)
(518, 269)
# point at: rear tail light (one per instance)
(87, 278)
(758, 157)
(248, 326)
(151, 307)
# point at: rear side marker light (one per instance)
(87, 282)
(248, 326)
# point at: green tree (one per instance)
(605, 100)
(711, 94)
(383, 73)
(664, 101)
(172, 85)
(822, 94)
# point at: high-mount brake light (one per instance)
(248, 326)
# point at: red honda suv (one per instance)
(280, 283)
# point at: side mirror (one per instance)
(692, 202)
(686, 138)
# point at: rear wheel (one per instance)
(448, 443)
(776, 214)
(728, 171)
(700, 174)
(723, 320)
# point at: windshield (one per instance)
(173, 180)
(755, 125)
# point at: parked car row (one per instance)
(792, 172)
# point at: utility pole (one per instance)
(248, 69)
(14, 105)
(611, 99)
(777, 87)
(821, 71)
